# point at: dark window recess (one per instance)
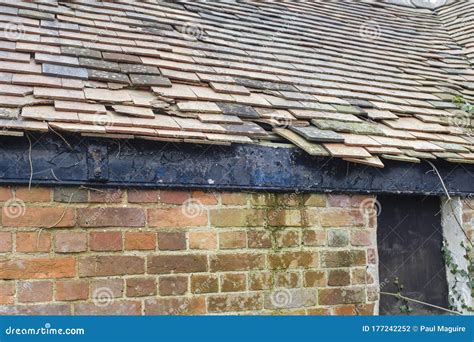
(409, 238)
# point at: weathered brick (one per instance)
(233, 198)
(372, 256)
(259, 239)
(7, 293)
(72, 290)
(234, 302)
(202, 240)
(361, 276)
(288, 279)
(285, 217)
(40, 218)
(173, 196)
(237, 262)
(37, 268)
(173, 285)
(233, 217)
(70, 242)
(35, 291)
(37, 309)
(204, 197)
(287, 238)
(337, 238)
(341, 296)
(346, 201)
(232, 239)
(339, 277)
(114, 288)
(171, 241)
(314, 237)
(96, 266)
(290, 298)
(335, 217)
(361, 238)
(260, 281)
(39, 194)
(70, 195)
(142, 196)
(285, 260)
(175, 306)
(203, 283)
(315, 278)
(105, 241)
(5, 193)
(233, 282)
(159, 264)
(106, 196)
(140, 240)
(29, 242)
(111, 217)
(315, 200)
(333, 259)
(318, 311)
(5, 242)
(138, 287)
(177, 217)
(118, 308)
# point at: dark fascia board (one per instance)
(75, 160)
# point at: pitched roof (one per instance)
(355, 80)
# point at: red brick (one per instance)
(40, 218)
(341, 296)
(35, 291)
(318, 312)
(287, 260)
(260, 281)
(345, 201)
(113, 287)
(70, 242)
(314, 237)
(111, 217)
(173, 285)
(287, 239)
(232, 282)
(171, 241)
(233, 198)
(28, 242)
(203, 197)
(38, 268)
(202, 240)
(344, 310)
(233, 239)
(105, 241)
(5, 242)
(361, 276)
(7, 293)
(234, 302)
(288, 280)
(37, 309)
(97, 266)
(339, 277)
(158, 264)
(315, 278)
(33, 195)
(175, 306)
(138, 287)
(140, 240)
(106, 196)
(237, 262)
(203, 283)
(236, 217)
(361, 238)
(259, 239)
(332, 259)
(117, 308)
(335, 217)
(5, 193)
(177, 217)
(173, 196)
(142, 196)
(72, 290)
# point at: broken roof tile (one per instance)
(238, 110)
(149, 80)
(58, 94)
(134, 111)
(308, 147)
(107, 76)
(344, 151)
(72, 106)
(107, 95)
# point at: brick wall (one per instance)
(85, 251)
